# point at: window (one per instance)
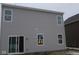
(16, 44)
(7, 14)
(40, 39)
(60, 19)
(60, 39)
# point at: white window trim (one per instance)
(58, 39)
(37, 39)
(4, 14)
(61, 20)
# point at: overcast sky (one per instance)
(69, 9)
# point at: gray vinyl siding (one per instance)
(0, 26)
(29, 23)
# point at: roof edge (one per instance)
(31, 8)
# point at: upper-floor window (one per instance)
(7, 13)
(60, 18)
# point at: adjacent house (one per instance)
(72, 31)
(29, 30)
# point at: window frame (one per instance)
(11, 40)
(60, 39)
(37, 39)
(58, 19)
(7, 15)
(17, 51)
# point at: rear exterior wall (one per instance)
(28, 23)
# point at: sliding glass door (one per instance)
(16, 44)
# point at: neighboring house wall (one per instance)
(72, 34)
(29, 23)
